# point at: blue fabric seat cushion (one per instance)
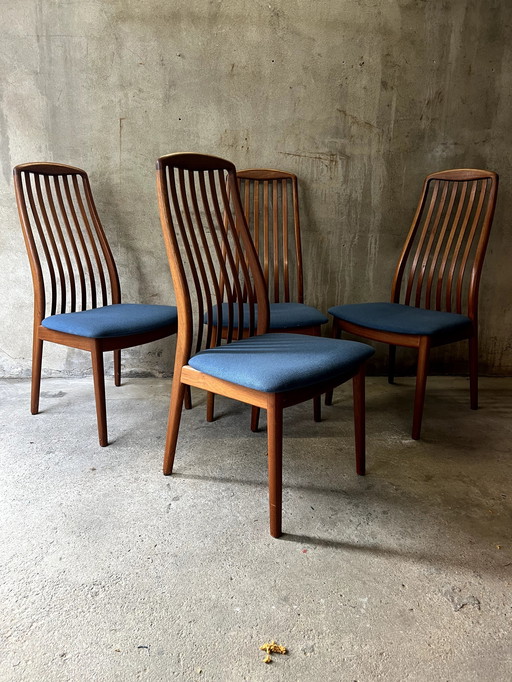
(282, 316)
(119, 319)
(274, 363)
(401, 319)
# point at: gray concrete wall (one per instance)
(360, 98)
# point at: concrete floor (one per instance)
(111, 571)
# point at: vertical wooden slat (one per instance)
(275, 237)
(419, 247)
(88, 268)
(203, 252)
(284, 208)
(43, 241)
(265, 230)
(256, 214)
(67, 281)
(469, 243)
(298, 245)
(69, 239)
(221, 281)
(447, 250)
(180, 213)
(429, 242)
(58, 288)
(439, 243)
(245, 285)
(93, 246)
(458, 246)
(115, 286)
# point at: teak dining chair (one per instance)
(270, 202)
(434, 297)
(207, 239)
(77, 294)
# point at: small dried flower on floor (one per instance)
(272, 648)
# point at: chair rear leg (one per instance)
(99, 395)
(391, 364)
(178, 393)
(275, 463)
(255, 419)
(37, 359)
(210, 406)
(473, 372)
(336, 334)
(421, 384)
(317, 408)
(188, 398)
(358, 390)
(117, 367)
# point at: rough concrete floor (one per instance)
(111, 571)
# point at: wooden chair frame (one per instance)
(55, 201)
(177, 216)
(433, 268)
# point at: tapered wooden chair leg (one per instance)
(391, 364)
(359, 421)
(187, 400)
(178, 393)
(473, 372)
(210, 406)
(336, 334)
(421, 384)
(255, 419)
(37, 358)
(99, 394)
(317, 408)
(117, 367)
(275, 464)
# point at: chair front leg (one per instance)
(178, 393)
(275, 463)
(99, 394)
(421, 384)
(117, 367)
(473, 371)
(336, 334)
(37, 359)
(210, 406)
(358, 389)
(255, 419)
(391, 363)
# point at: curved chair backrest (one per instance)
(271, 207)
(441, 262)
(210, 251)
(71, 262)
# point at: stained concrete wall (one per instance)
(360, 98)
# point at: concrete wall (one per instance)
(360, 98)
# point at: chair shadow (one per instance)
(428, 558)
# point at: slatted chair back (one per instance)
(441, 262)
(214, 264)
(271, 207)
(71, 262)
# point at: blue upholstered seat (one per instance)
(282, 316)
(120, 319)
(401, 319)
(282, 362)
